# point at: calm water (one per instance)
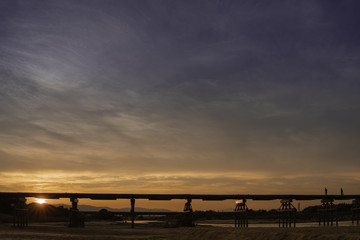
(307, 224)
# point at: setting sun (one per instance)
(41, 201)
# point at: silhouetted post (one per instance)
(241, 219)
(332, 218)
(76, 218)
(188, 211)
(132, 212)
(279, 219)
(336, 218)
(327, 211)
(286, 213)
(246, 216)
(74, 203)
(355, 210)
(20, 213)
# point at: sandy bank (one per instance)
(109, 231)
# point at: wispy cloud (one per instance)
(158, 87)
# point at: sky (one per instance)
(193, 96)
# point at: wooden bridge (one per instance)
(327, 212)
(205, 197)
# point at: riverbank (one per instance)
(266, 223)
(111, 231)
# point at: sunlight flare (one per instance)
(40, 200)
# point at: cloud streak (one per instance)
(138, 88)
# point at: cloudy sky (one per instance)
(180, 96)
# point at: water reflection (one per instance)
(271, 225)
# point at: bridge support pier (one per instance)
(76, 218)
(355, 211)
(132, 212)
(20, 213)
(287, 213)
(188, 214)
(241, 219)
(327, 212)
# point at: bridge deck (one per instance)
(139, 213)
(205, 197)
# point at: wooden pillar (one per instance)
(74, 203)
(132, 212)
(76, 218)
(287, 213)
(355, 211)
(237, 215)
(294, 216)
(20, 213)
(336, 218)
(279, 214)
(332, 217)
(327, 212)
(241, 218)
(236, 219)
(188, 214)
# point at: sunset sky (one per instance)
(217, 97)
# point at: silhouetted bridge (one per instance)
(205, 197)
(327, 211)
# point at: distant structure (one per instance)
(287, 213)
(241, 219)
(20, 213)
(327, 212)
(188, 214)
(355, 211)
(76, 218)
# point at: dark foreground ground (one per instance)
(107, 231)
